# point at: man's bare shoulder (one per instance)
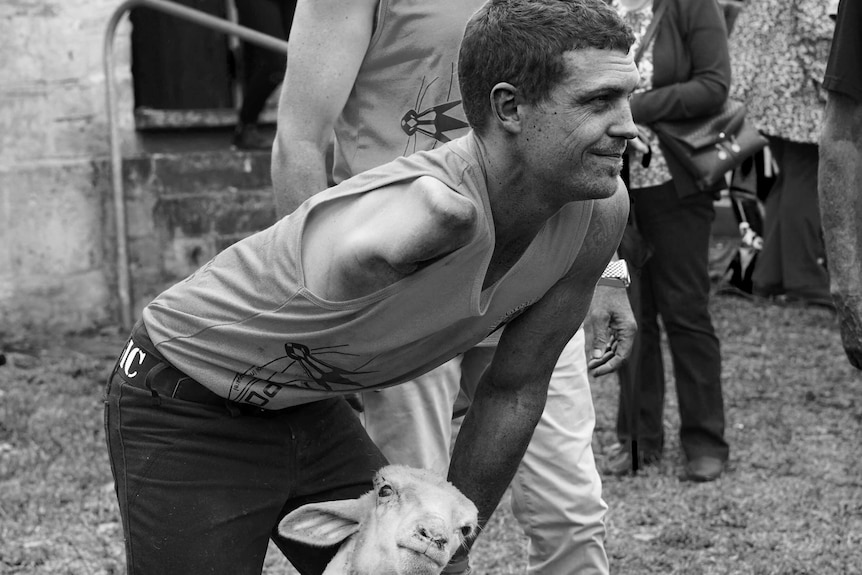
(605, 230)
(615, 206)
(610, 215)
(384, 235)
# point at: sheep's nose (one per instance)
(434, 532)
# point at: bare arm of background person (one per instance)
(840, 181)
(327, 44)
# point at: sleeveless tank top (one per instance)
(246, 326)
(413, 53)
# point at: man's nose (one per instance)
(624, 126)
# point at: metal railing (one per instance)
(185, 13)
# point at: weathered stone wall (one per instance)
(58, 264)
(56, 225)
(184, 209)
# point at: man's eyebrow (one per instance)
(604, 91)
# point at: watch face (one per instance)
(616, 274)
(617, 269)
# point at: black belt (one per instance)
(141, 366)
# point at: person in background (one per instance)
(840, 176)
(685, 73)
(778, 56)
(262, 68)
(386, 69)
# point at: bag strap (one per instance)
(650, 31)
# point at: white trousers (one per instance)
(556, 492)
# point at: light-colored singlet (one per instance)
(246, 327)
(405, 97)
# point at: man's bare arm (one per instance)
(357, 248)
(840, 183)
(326, 48)
(511, 396)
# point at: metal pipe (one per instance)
(183, 12)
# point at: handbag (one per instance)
(709, 147)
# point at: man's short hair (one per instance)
(522, 42)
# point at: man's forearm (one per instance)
(490, 445)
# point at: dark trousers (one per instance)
(201, 487)
(793, 257)
(674, 285)
(262, 69)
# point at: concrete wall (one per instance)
(56, 227)
(182, 209)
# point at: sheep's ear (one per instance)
(322, 524)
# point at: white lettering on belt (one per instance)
(128, 357)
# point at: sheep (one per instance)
(410, 523)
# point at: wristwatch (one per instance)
(616, 275)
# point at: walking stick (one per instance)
(635, 251)
(632, 366)
(632, 369)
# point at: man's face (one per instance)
(575, 139)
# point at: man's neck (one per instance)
(517, 207)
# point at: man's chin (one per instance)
(600, 185)
(604, 188)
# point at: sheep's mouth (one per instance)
(439, 557)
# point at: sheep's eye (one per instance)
(467, 530)
(385, 491)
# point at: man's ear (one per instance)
(504, 106)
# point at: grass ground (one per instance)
(790, 503)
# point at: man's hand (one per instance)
(458, 566)
(614, 328)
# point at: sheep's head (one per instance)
(411, 523)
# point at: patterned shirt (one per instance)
(778, 53)
(658, 172)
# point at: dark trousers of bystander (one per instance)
(793, 260)
(674, 285)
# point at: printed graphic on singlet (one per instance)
(512, 314)
(435, 122)
(311, 370)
